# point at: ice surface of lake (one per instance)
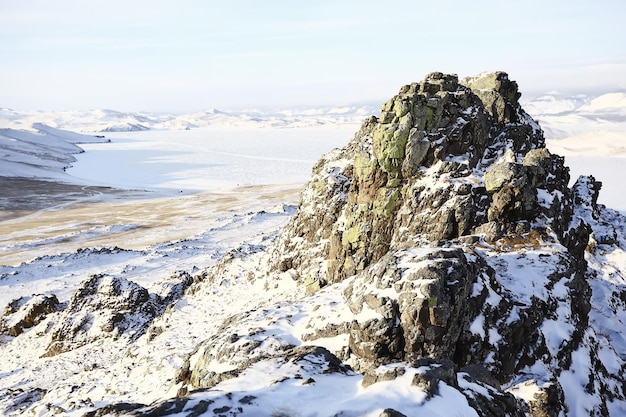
(210, 159)
(207, 159)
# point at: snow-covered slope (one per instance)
(109, 366)
(570, 116)
(590, 131)
(44, 153)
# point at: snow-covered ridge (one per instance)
(559, 104)
(42, 153)
(560, 115)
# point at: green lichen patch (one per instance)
(356, 226)
(419, 114)
(401, 108)
(386, 202)
(364, 167)
(351, 235)
(393, 182)
(429, 118)
(312, 285)
(320, 185)
(390, 143)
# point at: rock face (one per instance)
(444, 248)
(438, 164)
(460, 236)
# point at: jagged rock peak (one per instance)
(440, 109)
(499, 94)
(446, 159)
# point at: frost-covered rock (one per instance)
(104, 306)
(421, 299)
(112, 307)
(27, 312)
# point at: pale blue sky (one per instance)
(188, 55)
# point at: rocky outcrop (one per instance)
(482, 392)
(104, 306)
(27, 312)
(462, 237)
(422, 309)
(301, 356)
(299, 366)
(437, 164)
(112, 307)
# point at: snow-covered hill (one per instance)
(590, 131)
(561, 116)
(43, 153)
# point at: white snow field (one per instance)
(199, 195)
(207, 159)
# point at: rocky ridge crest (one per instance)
(445, 160)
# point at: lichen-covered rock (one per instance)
(538, 185)
(444, 246)
(419, 302)
(498, 94)
(415, 173)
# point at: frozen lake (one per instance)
(210, 159)
(207, 159)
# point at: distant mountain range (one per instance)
(558, 114)
(562, 116)
(115, 121)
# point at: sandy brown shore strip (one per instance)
(20, 196)
(43, 218)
